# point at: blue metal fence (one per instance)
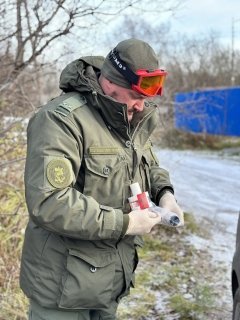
(213, 111)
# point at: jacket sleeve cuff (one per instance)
(161, 193)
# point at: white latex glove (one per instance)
(142, 222)
(168, 201)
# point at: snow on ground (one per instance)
(207, 184)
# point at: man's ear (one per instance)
(105, 84)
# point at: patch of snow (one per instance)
(205, 184)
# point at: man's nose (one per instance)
(138, 105)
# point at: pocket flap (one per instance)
(97, 259)
(102, 165)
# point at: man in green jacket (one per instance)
(85, 148)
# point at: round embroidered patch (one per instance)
(59, 172)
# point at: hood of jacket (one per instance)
(82, 74)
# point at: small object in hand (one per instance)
(174, 221)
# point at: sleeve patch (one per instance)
(59, 173)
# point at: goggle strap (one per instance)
(122, 68)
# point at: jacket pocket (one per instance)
(104, 179)
(88, 281)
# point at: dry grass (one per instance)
(176, 139)
(13, 303)
(13, 219)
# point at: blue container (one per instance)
(212, 111)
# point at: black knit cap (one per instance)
(136, 54)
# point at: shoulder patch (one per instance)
(59, 172)
(70, 104)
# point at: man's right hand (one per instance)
(142, 222)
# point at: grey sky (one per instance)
(199, 17)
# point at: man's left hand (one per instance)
(168, 201)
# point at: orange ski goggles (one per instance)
(146, 82)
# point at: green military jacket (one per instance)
(82, 156)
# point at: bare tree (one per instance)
(133, 26)
(200, 63)
(27, 28)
